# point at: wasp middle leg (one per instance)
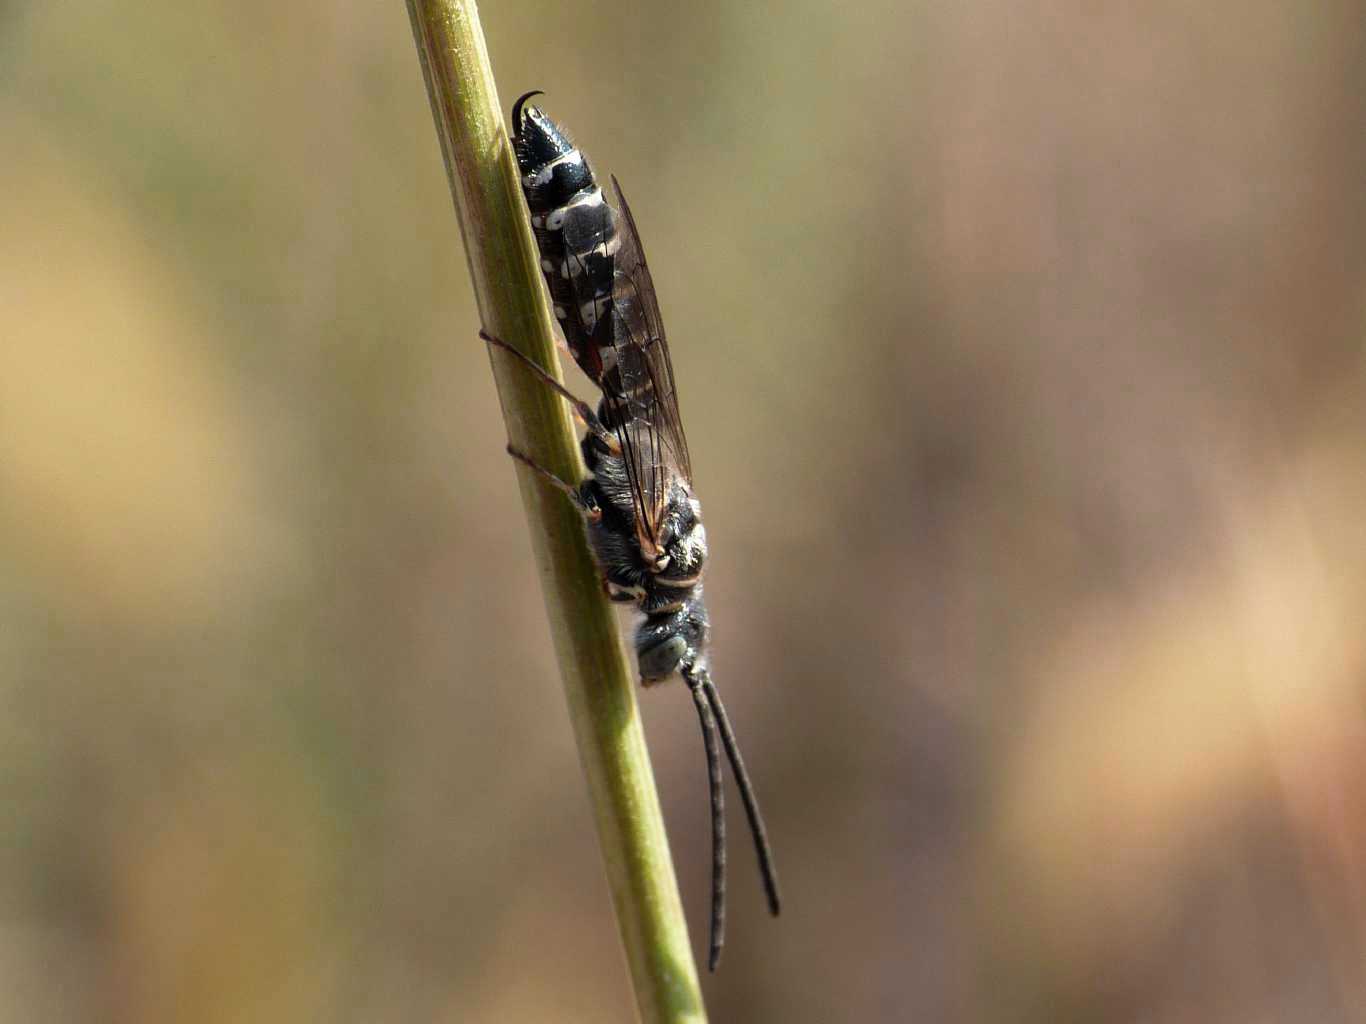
(581, 408)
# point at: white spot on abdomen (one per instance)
(543, 174)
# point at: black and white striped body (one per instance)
(659, 567)
(643, 523)
(576, 232)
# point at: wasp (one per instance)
(643, 522)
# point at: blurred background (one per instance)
(1021, 352)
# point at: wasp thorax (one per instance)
(680, 564)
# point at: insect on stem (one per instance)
(647, 536)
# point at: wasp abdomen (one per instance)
(576, 233)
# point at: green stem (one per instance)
(597, 680)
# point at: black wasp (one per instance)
(643, 523)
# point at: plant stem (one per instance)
(504, 267)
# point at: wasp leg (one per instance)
(582, 499)
(624, 584)
(580, 407)
(616, 596)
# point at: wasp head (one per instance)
(670, 641)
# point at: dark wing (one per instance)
(646, 403)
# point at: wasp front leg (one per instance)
(624, 585)
(582, 497)
(616, 595)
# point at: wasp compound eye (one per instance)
(663, 659)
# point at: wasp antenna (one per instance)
(517, 108)
(747, 797)
(718, 821)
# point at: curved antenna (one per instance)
(718, 821)
(751, 802)
(517, 108)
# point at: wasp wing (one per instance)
(589, 234)
(645, 400)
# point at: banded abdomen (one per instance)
(576, 232)
(605, 302)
